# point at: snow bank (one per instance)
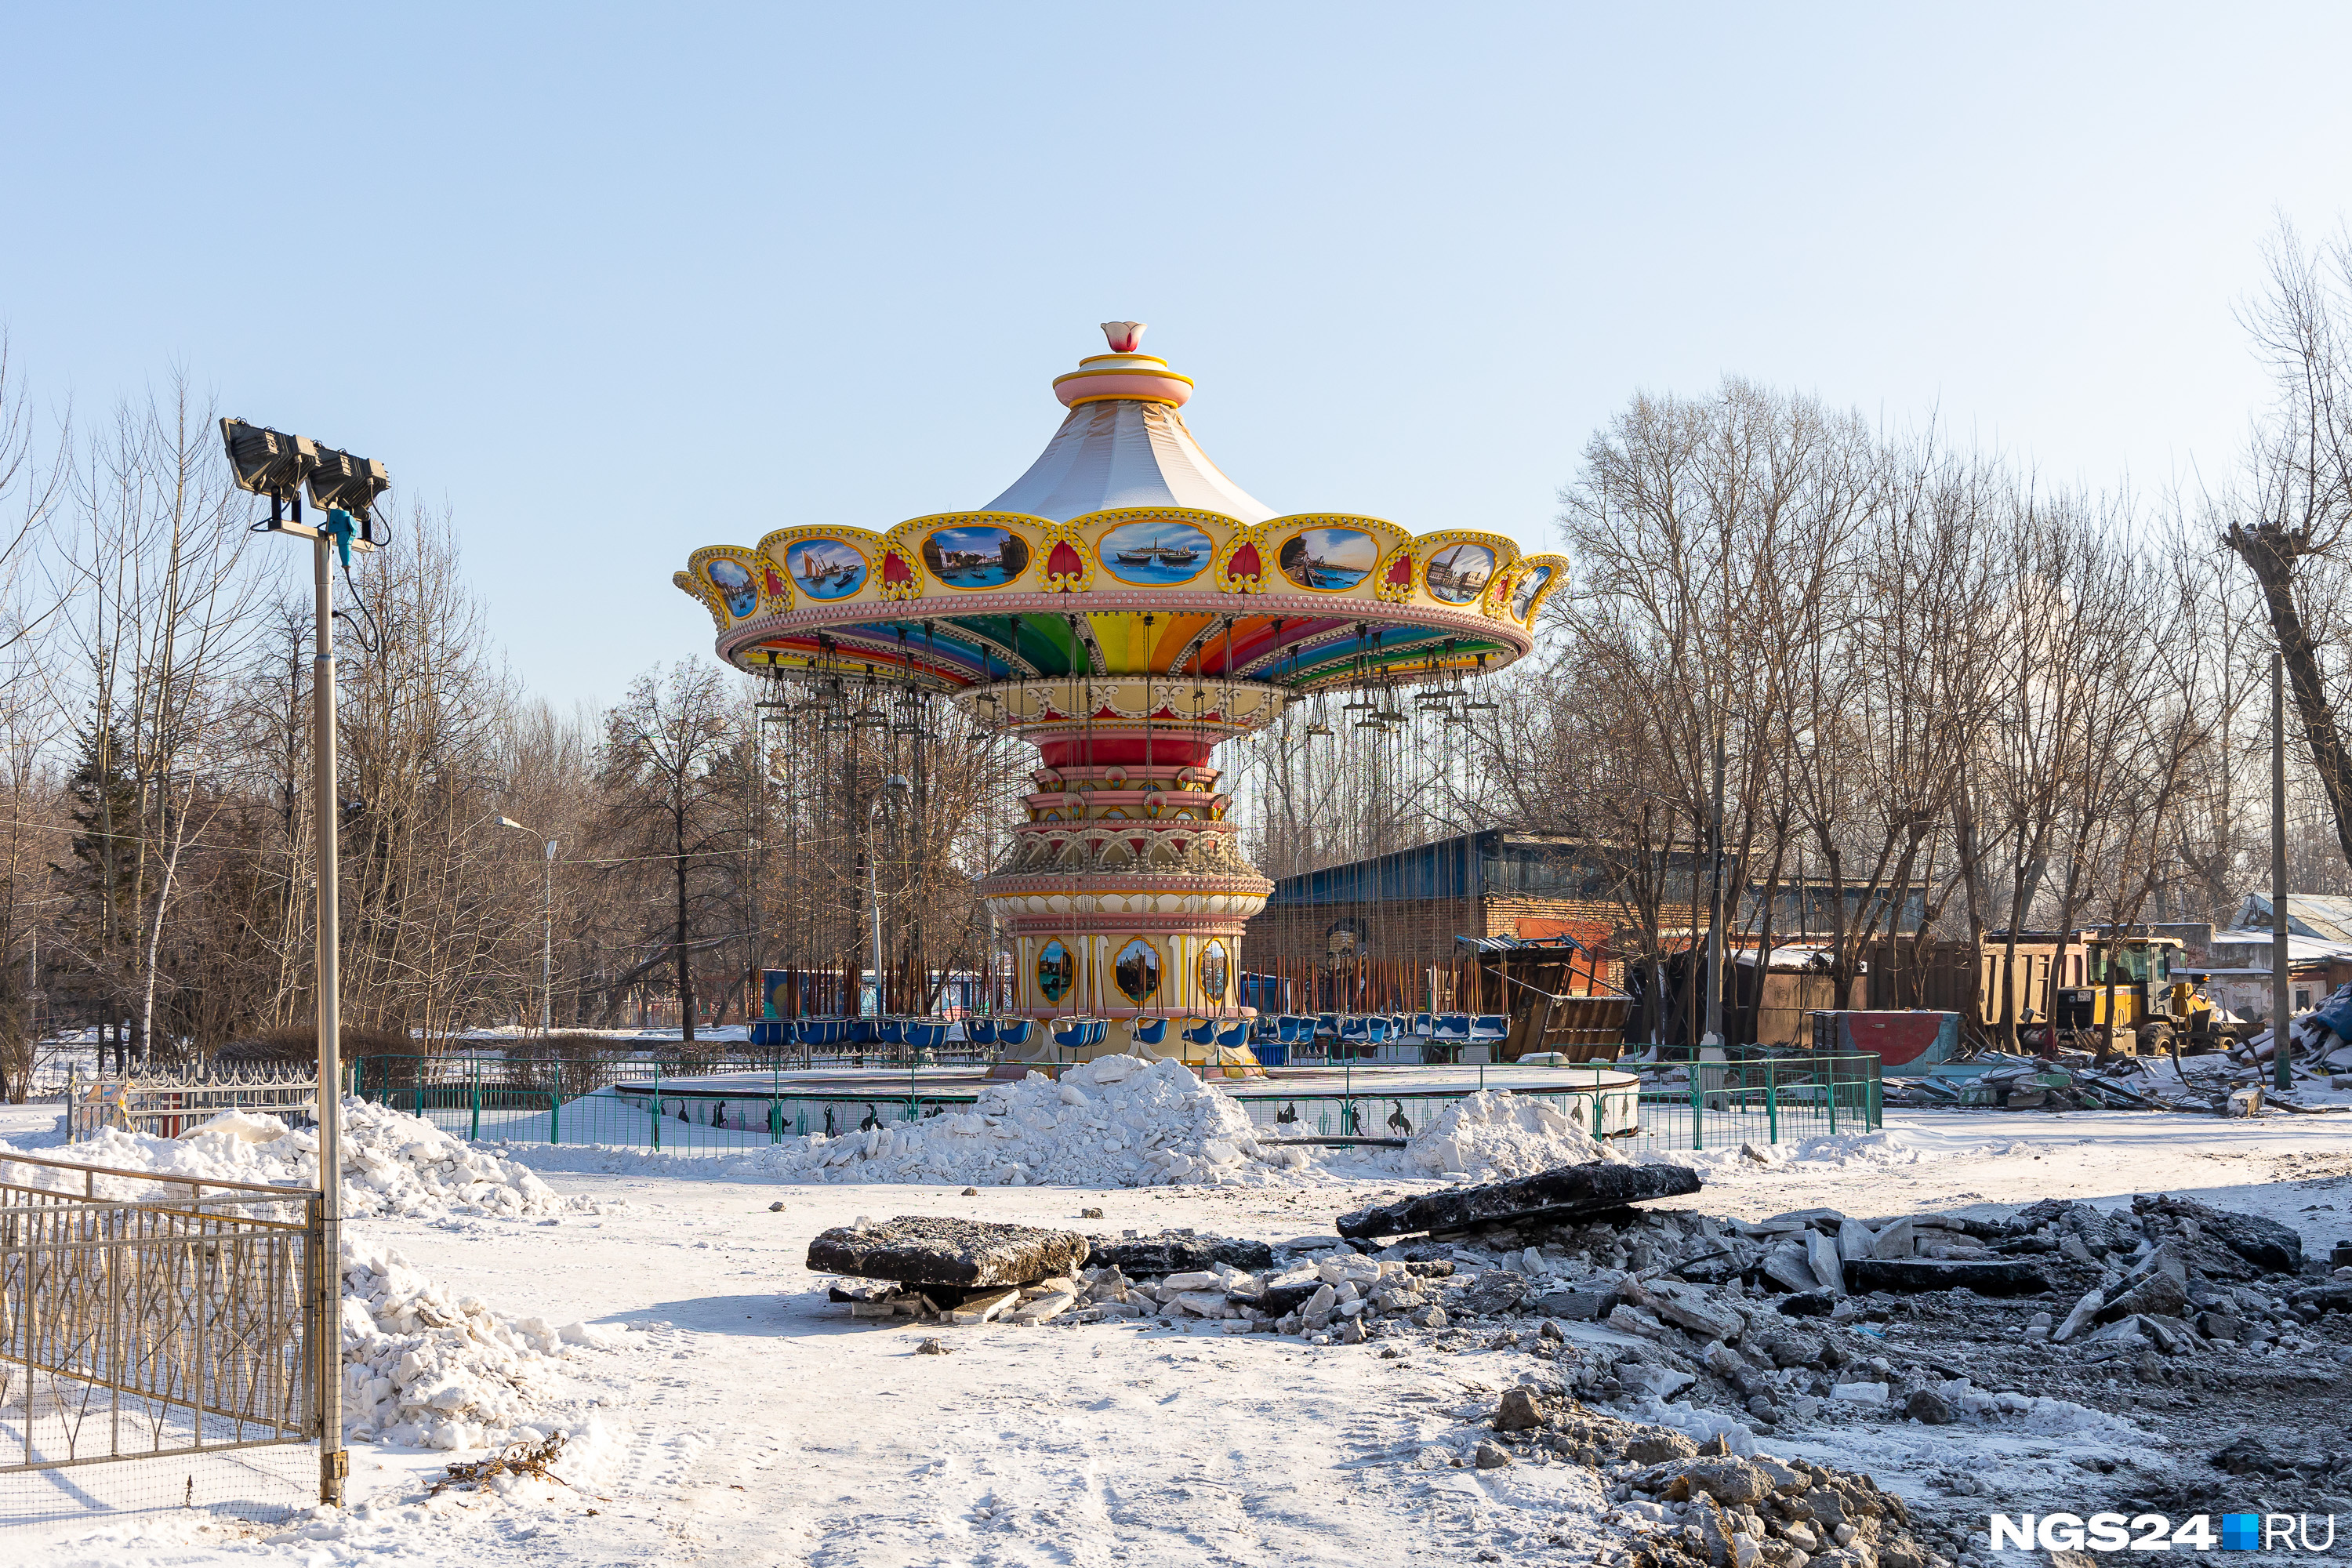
(1115, 1122)
(1884, 1149)
(1493, 1136)
(394, 1164)
(425, 1370)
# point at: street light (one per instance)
(895, 784)
(547, 930)
(272, 463)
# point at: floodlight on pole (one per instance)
(268, 462)
(341, 482)
(273, 463)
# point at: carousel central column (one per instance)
(1126, 890)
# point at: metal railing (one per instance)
(1696, 1101)
(729, 1104)
(146, 1316)
(164, 1106)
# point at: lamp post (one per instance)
(2282, 984)
(895, 784)
(547, 927)
(344, 488)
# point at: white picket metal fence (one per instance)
(161, 1342)
(164, 1106)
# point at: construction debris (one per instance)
(1177, 1251)
(1908, 1275)
(1690, 1504)
(2238, 1081)
(918, 1249)
(1594, 1188)
(520, 1460)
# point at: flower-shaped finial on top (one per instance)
(1126, 374)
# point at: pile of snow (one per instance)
(1115, 1121)
(394, 1164)
(1494, 1136)
(425, 1370)
(1885, 1148)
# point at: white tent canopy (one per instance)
(1125, 452)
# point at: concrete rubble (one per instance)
(2238, 1081)
(1594, 1188)
(1765, 1318)
(1664, 1345)
(1681, 1502)
(1665, 1348)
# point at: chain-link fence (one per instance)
(160, 1343)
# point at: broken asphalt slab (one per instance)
(919, 1249)
(1908, 1275)
(1178, 1252)
(1594, 1186)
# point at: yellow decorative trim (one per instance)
(1079, 967)
(1496, 603)
(1159, 963)
(865, 545)
(1427, 547)
(1097, 526)
(691, 585)
(1162, 374)
(1222, 576)
(1121, 397)
(1386, 538)
(1557, 565)
(1064, 582)
(1215, 945)
(910, 537)
(894, 561)
(757, 570)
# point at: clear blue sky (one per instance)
(611, 282)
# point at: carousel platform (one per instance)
(1340, 1101)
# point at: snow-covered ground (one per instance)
(746, 1419)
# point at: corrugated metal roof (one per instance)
(1518, 944)
(2322, 915)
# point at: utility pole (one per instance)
(547, 948)
(2281, 996)
(1715, 932)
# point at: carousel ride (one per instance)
(1125, 609)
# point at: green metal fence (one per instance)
(716, 1105)
(1765, 1099)
(704, 1104)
